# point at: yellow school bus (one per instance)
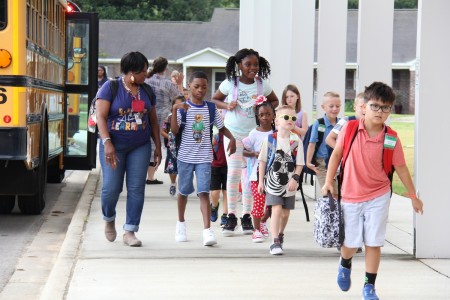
(48, 75)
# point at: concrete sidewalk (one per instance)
(90, 267)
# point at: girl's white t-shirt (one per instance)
(241, 120)
(253, 143)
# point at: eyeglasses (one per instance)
(287, 117)
(384, 108)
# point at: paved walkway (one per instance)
(89, 267)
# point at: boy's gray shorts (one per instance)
(287, 202)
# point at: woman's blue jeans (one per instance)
(134, 163)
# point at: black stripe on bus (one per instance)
(27, 81)
(45, 53)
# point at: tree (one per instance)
(157, 10)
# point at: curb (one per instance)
(59, 280)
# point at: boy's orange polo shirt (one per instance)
(364, 177)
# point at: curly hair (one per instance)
(232, 71)
(258, 107)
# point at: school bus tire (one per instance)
(34, 204)
(54, 173)
(7, 203)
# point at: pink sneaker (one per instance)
(257, 237)
(263, 229)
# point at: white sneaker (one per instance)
(264, 230)
(257, 237)
(180, 232)
(209, 238)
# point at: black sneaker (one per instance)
(223, 220)
(247, 226)
(214, 212)
(281, 239)
(228, 229)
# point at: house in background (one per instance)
(206, 46)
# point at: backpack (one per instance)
(212, 114)
(114, 86)
(349, 137)
(306, 139)
(258, 86)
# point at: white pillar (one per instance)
(280, 42)
(331, 50)
(375, 38)
(247, 23)
(432, 231)
(302, 54)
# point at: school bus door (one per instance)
(81, 88)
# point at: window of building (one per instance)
(218, 77)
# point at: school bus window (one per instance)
(3, 14)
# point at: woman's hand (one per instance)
(157, 157)
(110, 155)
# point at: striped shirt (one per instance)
(195, 145)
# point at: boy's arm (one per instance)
(293, 183)
(309, 156)
(232, 145)
(405, 177)
(331, 139)
(333, 165)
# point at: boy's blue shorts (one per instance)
(186, 177)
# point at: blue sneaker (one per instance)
(223, 220)
(214, 212)
(343, 279)
(369, 292)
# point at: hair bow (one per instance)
(260, 100)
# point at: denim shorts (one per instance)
(186, 177)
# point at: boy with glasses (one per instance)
(366, 186)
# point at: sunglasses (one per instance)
(287, 117)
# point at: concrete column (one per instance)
(432, 231)
(247, 23)
(375, 32)
(301, 67)
(280, 36)
(331, 50)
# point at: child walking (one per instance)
(265, 116)
(318, 154)
(195, 153)
(170, 166)
(241, 92)
(291, 97)
(374, 150)
(219, 171)
(279, 173)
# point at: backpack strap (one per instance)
(259, 86)
(149, 91)
(235, 89)
(349, 137)
(271, 149)
(212, 115)
(388, 154)
(114, 86)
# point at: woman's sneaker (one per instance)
(264, 230)
(246, 223)
(230, 226)
(257, 237)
